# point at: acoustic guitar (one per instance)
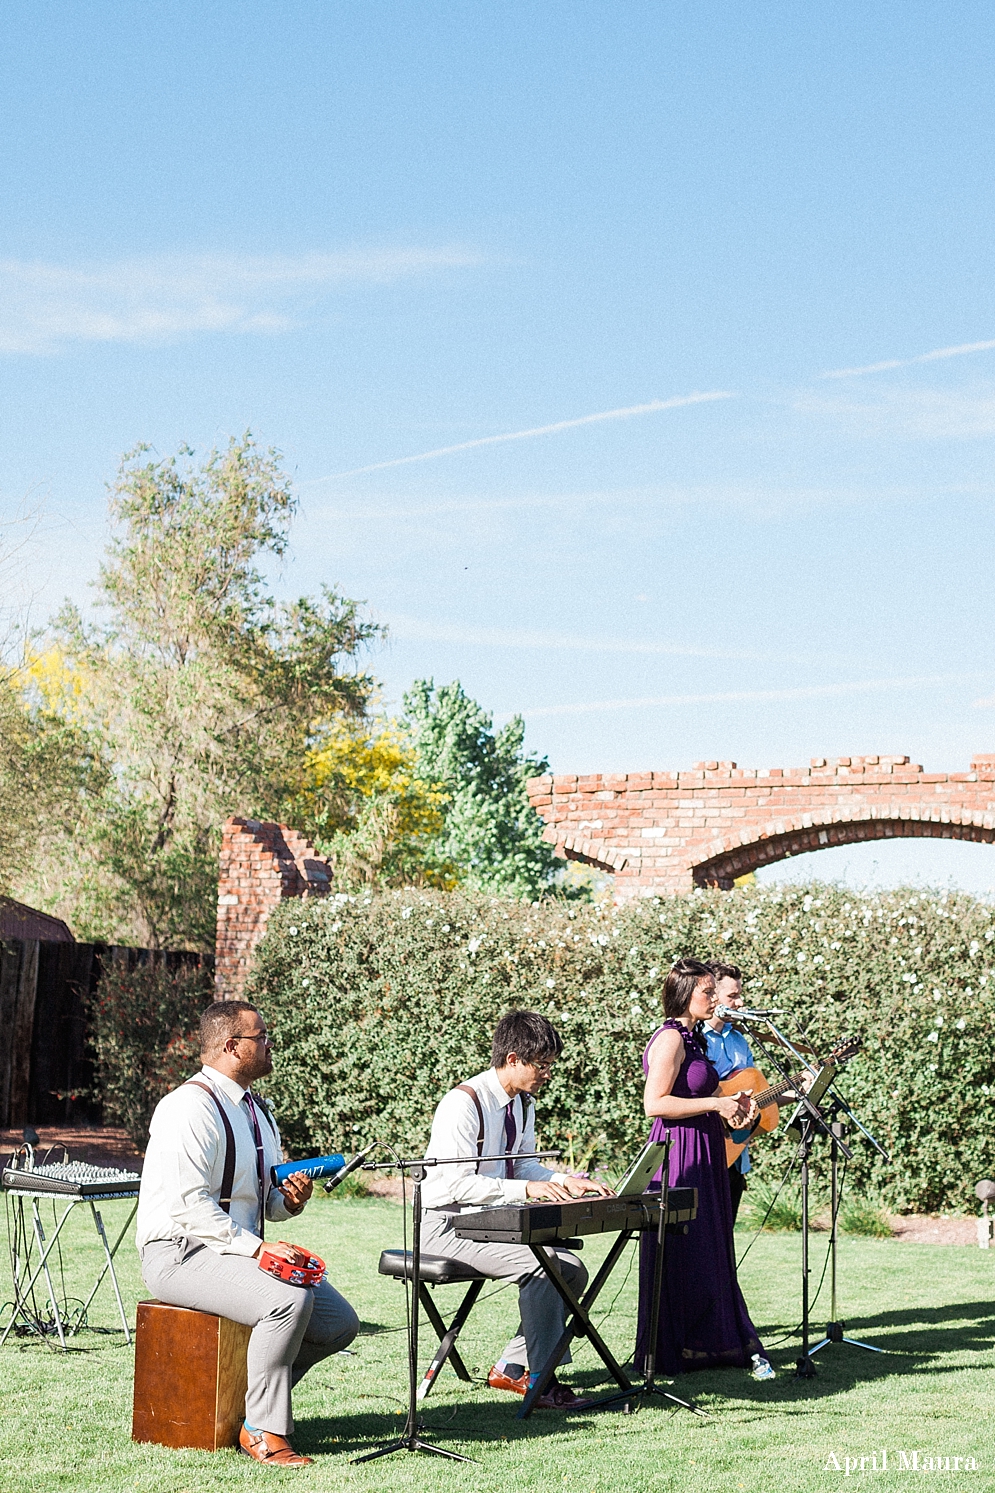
(765, 1096)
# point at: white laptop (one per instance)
(643, 1169)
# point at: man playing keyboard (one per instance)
(491, 1114)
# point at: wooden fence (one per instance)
(46, 992)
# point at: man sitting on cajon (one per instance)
(200, 1249)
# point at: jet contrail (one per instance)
(524, 435)
(933, 357)
(806, 692)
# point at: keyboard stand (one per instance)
(578, 1323)
(25, 1276)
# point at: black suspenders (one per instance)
(228, 1173)
(467, 1088)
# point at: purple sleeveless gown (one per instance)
(703, 1318)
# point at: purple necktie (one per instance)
(510, 1132)
(260, 1163)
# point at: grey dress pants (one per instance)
(541, 1306)
(293, 1327)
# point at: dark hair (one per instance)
(680, 985)
(220, 1021)
(724, 971)
(527, 1034)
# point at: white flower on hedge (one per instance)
(292, 932)
(961, 1024)
(818, 959)
(802, 958)
(407, 912)
(653, 972)
(938, 1020)
(932, 1067)
(932, 1036)
(474, 945)
(445, 928)
(550, 984)
(937, 996)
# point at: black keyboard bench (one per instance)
(437, 1270)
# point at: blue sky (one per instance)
(372, 231)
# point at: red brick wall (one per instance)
(260, 865)
(666, 832)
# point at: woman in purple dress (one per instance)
(703, 1318)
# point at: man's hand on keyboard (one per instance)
(579, 1184)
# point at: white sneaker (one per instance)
(762, 1368)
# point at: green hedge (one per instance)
(379, 1004)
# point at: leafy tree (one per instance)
(47, 773)
(491, 835)
(205, 694)
(365, 807)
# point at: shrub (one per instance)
(858, 1216)
(779, 1212)
(380, 1003)
(144, 1032)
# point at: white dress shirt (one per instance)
(184, 1165)
(455, 1129)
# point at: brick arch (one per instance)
(738, 859)
(661, 833)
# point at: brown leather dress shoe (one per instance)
(560, 1397)
(556, 1397)
(497, 1380)
(268, 1447)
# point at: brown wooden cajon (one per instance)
(190, 1377)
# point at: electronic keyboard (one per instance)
(544, 1223)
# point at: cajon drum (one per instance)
(190, 1377)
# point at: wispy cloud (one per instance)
(411, 628)
(45, 306)
(524, 435)
(910, 414)
(760, 696)
(935, 356)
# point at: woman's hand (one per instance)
(734, 1108)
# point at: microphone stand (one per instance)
(630, 1399)
(410, 1440)
(808, 1120)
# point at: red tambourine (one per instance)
(305, 1269)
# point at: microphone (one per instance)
(351, 1165)
(728, 1014)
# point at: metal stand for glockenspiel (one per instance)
(25, 1278)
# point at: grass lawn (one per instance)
(67, 1418)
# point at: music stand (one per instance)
(410, 1440)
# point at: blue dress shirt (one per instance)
(727, 1051)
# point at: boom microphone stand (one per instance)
(410, 1440)
(808, 1121)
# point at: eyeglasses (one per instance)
(542, 1067)
(250, 1037)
